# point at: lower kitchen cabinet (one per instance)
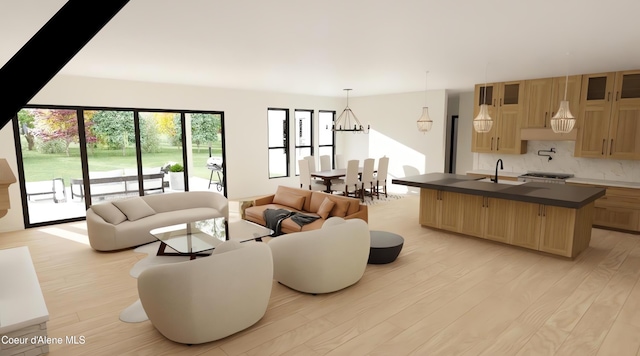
(498, 225)
(472, 214)
(430, 207)
(526, 219)
(450, 219)
(619, 209)
(440, 209)
(564, 231)
(552, 229)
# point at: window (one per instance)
(72, 157)
(326, 137)
(304, 135)
(278, 128)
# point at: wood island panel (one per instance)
(526, 221)
(429, 207)
(558, 230)
(472, 215)
(498, 223)
(450, 211)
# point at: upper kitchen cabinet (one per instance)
(543, 97)
(506, 107)
(609, 119)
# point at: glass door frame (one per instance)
(84, 156)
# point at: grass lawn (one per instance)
(40, 166)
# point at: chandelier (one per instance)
(348, 122)
(563, 121)
(483, 122)
(425, 122)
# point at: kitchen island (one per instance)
(553, 218)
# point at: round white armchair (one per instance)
(209, 298)
(323, 260)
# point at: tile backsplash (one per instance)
(562, 162)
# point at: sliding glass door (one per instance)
(50, 156)
(125, 153)
(111, 156)
(205, 147)
(161, 144)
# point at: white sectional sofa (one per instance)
(126, 223)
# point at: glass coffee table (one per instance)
(198, 238)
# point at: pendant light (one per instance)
(563, 121)
(347, 121)
(425, 122)
(483, 122)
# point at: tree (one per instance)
(26, 119)
(149, 137)
(54, 124)
(114, 129)
(204, 128)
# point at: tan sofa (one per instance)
(126, 222)
(306, 202)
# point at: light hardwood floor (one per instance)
(446, 294)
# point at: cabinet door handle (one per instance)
(611, 147)
(545, 118)
(498, 144)
(603, 141)
(617, 95)
(494, 103)
(492, 144)
(609, 96)
(487, 204)
(500, 101)
(544, 210)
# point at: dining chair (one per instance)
(380, 178)
(325, 163)
(351, 186)
(366, 179)
(312, 164)
(305, 177)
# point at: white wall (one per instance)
(394, 133)
(393, 119)
(464, 156)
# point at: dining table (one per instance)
(331, 174)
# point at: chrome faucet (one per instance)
(495, 180)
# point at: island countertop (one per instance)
(563, 195)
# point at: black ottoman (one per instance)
(385, 247)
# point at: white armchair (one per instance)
(323, 260)
(209, 298)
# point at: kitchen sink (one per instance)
(521, 190)
(502, 181)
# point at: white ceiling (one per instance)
(321, 47)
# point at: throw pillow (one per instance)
(340, 209)
(325, 208)
(289, 199)
(134, 208)
(109, 213)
